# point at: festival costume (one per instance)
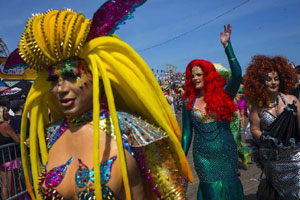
(62, 37)
(242, 105)
(139, 139)
(279, 151)
(214, 149)
(242, 149)
(235, 126)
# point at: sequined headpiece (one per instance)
(67, 31)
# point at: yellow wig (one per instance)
(129, 85)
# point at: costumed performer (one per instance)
(208, 109)
(111, 133)
(275, 120)
(236, 126)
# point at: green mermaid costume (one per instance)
(214, 148)
(243, 151)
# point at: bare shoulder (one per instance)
(289, 98)
(136, 181)
(5, 126)
(255, 108)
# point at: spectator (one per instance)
(8, 162)
(169, 96)
(16, 106)
(296, 90)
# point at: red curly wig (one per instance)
(216, 98)
(254, 79)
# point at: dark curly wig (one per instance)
(254, 79)
(216, 98)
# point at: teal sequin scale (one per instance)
(243, 151)
(214, 151)
(83, 175)
(215, 160)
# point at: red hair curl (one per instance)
(216, 98)
(254, 79)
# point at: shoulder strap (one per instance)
(282, 98)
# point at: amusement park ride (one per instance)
(4, 52)
(169, 66)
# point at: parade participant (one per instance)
(208, 109)
(242, 149)
(275, 120)
(237, 126)
(107, 112)
(242, 107)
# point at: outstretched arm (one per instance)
(234, 82)
(187, 133)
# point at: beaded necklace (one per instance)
(80, 120)
(275, 104)
(57, 129)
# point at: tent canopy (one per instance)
(18, 91)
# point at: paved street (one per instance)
(248, 177)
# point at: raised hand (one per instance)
(225, 37)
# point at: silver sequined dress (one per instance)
(282, 166)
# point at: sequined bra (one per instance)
(201, 116)
(83, 177)
(204, 124)
(267, 118)
(53, 178)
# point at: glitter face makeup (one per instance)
(72, 86)
(272, 82)
(197, 77)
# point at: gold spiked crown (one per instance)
(66, 34)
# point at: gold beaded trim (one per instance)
(52, 37)
(56, 45)
(81, 42)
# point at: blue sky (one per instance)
(270, 27)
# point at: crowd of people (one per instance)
(173, 93)
(10, 154)
(101, 126)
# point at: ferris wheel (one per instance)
(4, 52)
